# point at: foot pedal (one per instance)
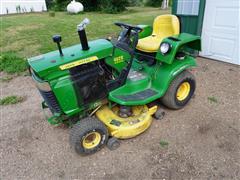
(137, 96)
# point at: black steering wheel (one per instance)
(128, 38)
(129, 27)
(127, 41)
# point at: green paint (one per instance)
(147, 31)
(47, 65)
(157, 77)
(191, 23)
(183, 40)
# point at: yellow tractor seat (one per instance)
(163, 26)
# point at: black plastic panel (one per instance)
(138, 96)
(51, 101)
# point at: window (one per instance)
(188, 7)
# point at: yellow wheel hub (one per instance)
(91, 140)
(183, 91)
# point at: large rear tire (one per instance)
(88, 136)
(180, 91)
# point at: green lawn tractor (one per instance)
(109, 89)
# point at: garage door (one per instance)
(220, 33)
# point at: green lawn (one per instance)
(31, 34)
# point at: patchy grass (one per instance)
(11, 100)
(31, 34)
(6, 79)
(213, 99)
(52, 14)
(163, 143)
(11, 63)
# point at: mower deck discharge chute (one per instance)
(109, 89)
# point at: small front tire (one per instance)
(88, 136)
(180, 91)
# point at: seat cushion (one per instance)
(163, 26)
(149, 44)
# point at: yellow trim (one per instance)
(126, 127)
(91, 140)
(152, 110)
(79, 62)
(183, 91)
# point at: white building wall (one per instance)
(221, 31)
(11, 6)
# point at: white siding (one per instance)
(25, 6)
(220, 33)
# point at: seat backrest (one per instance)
(166, 25)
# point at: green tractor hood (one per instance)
(51, 65)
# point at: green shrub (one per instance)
(109, 6)
(135, 2)
(49, 4)
(60, 5)
(11, 100)
(91, 5)
(11, 63)
(113, 6)
(154, 3)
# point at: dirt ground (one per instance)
(203, 138)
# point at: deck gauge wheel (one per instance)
(113, 143)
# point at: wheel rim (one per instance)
(183, 91)
(91, 140)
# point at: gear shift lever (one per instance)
(57, 39)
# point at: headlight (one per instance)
(43, 86)
(165, 48)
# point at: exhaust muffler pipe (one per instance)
(82, 34)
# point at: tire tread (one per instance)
(169, 98)
(85, 125)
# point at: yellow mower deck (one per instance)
(124, 128)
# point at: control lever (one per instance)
(57, 39)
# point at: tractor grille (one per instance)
(51, 101)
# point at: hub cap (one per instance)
(183, 91)
(91, 140)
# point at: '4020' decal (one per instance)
(118, 59)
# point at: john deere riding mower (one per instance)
(109, 89)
